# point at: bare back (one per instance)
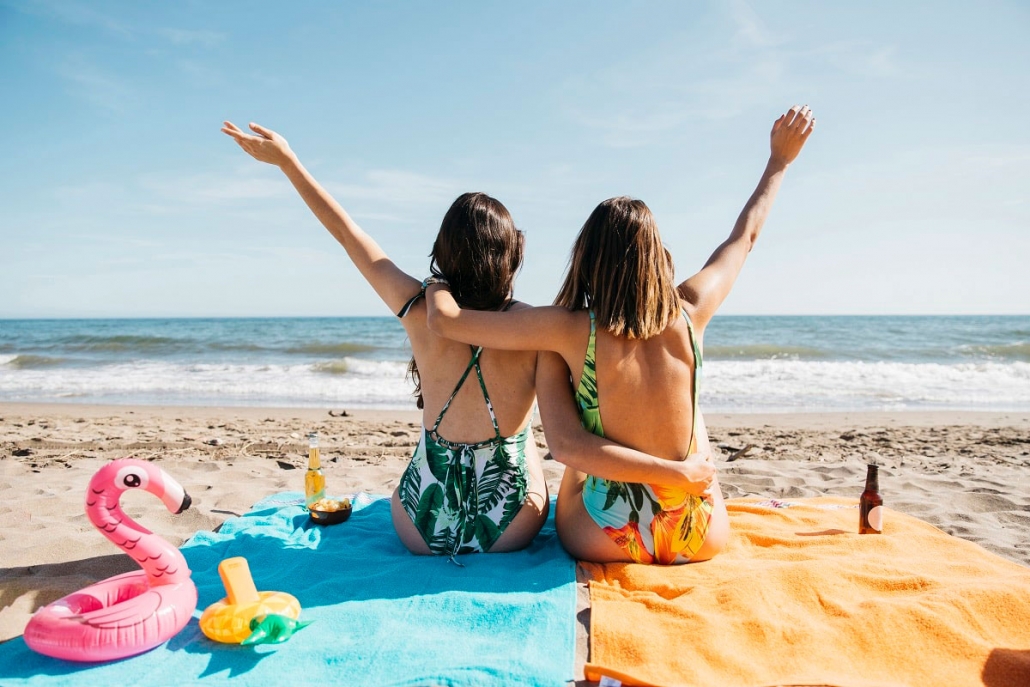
(509, 377)
(645, 388)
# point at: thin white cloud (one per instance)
(200, 73)
(652, 97)
(204, 37)
(216, 188)
(163, 194)
(858, 58)
(660, 110)
(88, 191)
(82, 14)
(752, 31)
(78, 14)
(96, 86)
(397, 187)
(376, 217)
(966, 184)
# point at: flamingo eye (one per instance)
(132, 477)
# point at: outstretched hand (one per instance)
(266, 146)
(790, 132)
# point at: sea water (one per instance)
(751, 363)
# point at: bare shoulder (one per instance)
(698, 319)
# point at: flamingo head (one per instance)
(120, 476)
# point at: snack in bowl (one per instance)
(326, 511)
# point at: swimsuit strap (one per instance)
(431, 279)
(486, 396)
(586, 392)
(697, 375)
(406, 308)
(474, 362)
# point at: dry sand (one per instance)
(967, 473)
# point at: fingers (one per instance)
(808, 131)
(798, 120)
(800, 116)
(804, 118)
(267, 133)
(240, 136)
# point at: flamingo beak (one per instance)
(175, 498)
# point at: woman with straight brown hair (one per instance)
(631, 336)
(482, 487)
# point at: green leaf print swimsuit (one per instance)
(461, 497)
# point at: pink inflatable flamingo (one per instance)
(131, 613)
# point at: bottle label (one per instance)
(876, 518)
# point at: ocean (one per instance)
(752, 363)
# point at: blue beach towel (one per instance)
(381, 615)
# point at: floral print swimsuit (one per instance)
(461, 497)
(650, 522)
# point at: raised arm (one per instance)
(545, 328)
(707, 289)
(577, 448)
(393, 285)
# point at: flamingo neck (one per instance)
(162, 562)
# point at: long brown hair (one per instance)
(478, 251)
(620, 269)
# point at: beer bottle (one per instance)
(870, 506)
(314, 480)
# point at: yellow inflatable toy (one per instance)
(228, 620)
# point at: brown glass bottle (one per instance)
(870, 506)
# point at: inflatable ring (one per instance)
(127, 614)
(228, 620)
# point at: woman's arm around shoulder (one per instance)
(524, 328)
(392, 284)
(705, 291)
(580, 450)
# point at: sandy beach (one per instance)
(964, 472)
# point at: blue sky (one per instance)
(120, 197)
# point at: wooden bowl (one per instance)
(330, 517)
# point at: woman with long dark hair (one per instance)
(475, 481)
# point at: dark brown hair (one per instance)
(478, 251)
(620, 269)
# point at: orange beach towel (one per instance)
(798, 598)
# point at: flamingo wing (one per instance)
(126, 613)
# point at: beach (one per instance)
(965, 472)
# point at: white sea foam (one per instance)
(366, 385)
(777, 385)
(727, 385)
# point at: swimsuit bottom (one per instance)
(461, 497)
(650, 522)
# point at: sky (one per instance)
(119, 196)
